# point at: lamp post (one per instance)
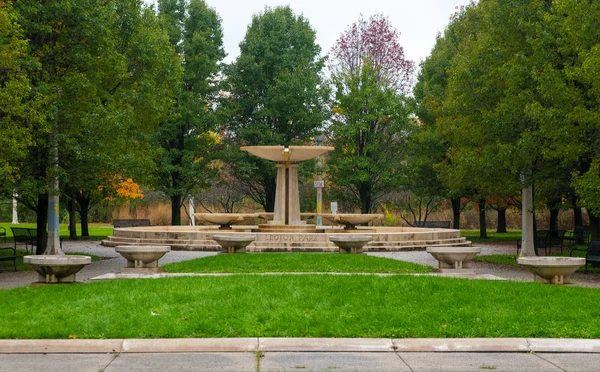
(319, 183)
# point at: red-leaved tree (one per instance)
(377, 41)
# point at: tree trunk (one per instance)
(501, 228)
(72, 218)
(84, 210)
(176, 210)
(527, 225)
(366, 201)
(41, 221)
(482, 222)
(455, 213)
(553, 206)
(594, 226)
(577, 216)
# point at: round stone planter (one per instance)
(142, 259)
(352, 244)
(232, 243)
(225, 220)
(554, 270)
(351, 220)
(57, 268)
(453, 259)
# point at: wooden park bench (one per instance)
(25, 236)
(131, 223)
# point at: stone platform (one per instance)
(198, 238)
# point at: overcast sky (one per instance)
(418, 21)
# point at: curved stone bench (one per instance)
(233, 243)
(57, 268)
(142, 259)
(554, 270)
(350, 243)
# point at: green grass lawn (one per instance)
(493, 236)
(97, 231)
(300, 306)
(295, 262)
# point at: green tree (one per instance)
(277, 95)
(428, 147)
(369, 133)
(19, 105)
(98, 97)
(185, 137)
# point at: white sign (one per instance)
(334, 207)
(320, 183)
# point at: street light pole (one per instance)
(319, 138)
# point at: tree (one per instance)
(96, 95)
(371, 123)
(19, 105)
(378, 41)
(185, 139)
(276, 95)
(369, 131)
(427, 145)
(135, 102)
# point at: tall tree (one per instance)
(19, 104)
(277, 94)
(369, 73)
(132, 104)
(195, 32)
(94, 94)
(428, 146)
(378, 41)
(369, 132)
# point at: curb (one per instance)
(268, 344)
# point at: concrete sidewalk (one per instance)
(293, 354)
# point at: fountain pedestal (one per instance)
(287, 199)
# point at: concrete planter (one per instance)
(142, 259)
(225, 220)
(232, 243)
(348, 243)
(57, 268)
(351, 220)
(554, 270)
(454, 259)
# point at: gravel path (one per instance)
(114, 262)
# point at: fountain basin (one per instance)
(142, 259)
(232, 243)
(453, 259)
(224, 220)
(57, 268)
(351, 220)
(554, 270)
(352, 244)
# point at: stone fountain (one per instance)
(286, 229)
(286, 216)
